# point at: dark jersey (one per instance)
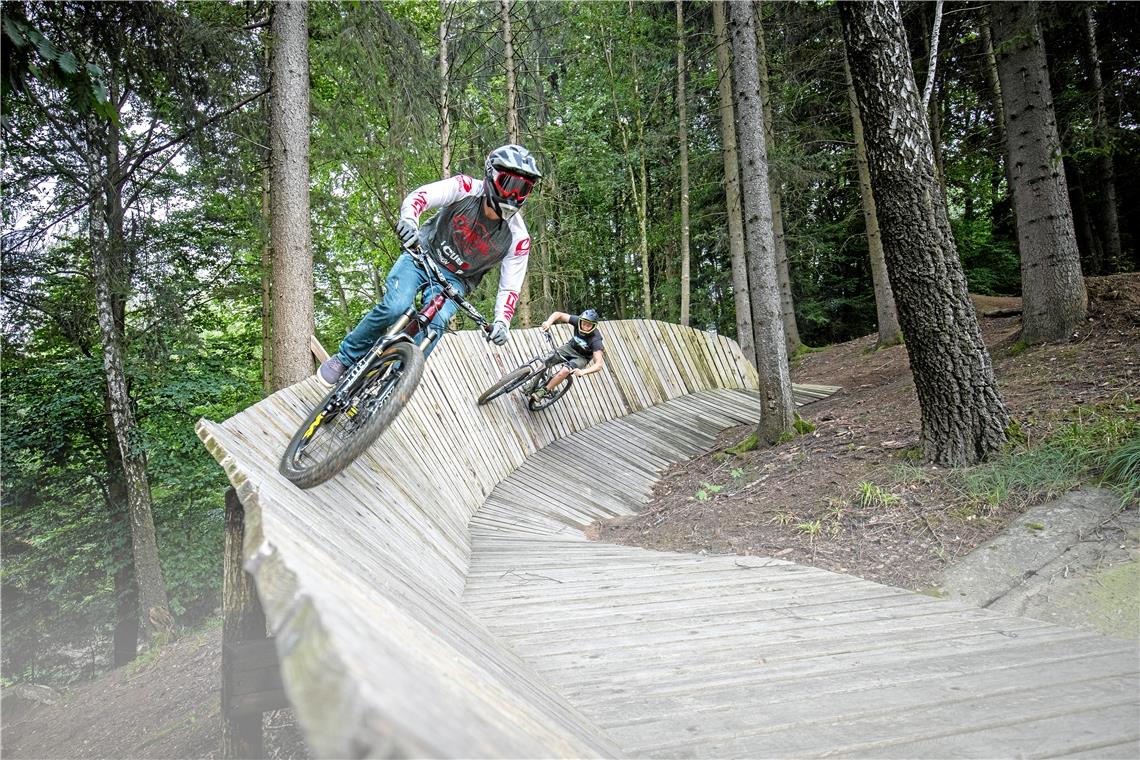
(585, 344)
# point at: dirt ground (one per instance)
(803, 500)
(164, 705)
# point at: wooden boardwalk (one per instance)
(438, 598)
(680, 655)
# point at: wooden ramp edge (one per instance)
(361, 578)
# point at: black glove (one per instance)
(407, 230)
(498, 334)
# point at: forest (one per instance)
(138, 268)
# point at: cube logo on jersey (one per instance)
(523, 248)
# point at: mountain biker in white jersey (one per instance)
(478, 225)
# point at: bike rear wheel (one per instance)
(506, 384)
(334, 434)
(558, 392)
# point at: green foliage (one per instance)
(869, 496)
(751, 443)
(1098, 445)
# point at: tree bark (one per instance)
(108, 254)
(640, 197)
(777, 408)
(513, 131)
(890, 334)
(444, 90)
(963, 417)
(683, 142)
(1102, 139)
(1053, 291)
(732, 189)
(783, 269)
(289, 192)
(125, 638)
(266, 287)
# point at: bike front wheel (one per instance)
(338, 430)
(506, 384)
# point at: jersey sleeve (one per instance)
(513, 270)
(437, 194)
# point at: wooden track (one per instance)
(435, 600)
(679, 655)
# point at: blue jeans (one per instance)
(405, 279)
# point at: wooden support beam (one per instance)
(319, 352)
(243, 633)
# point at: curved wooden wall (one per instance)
(361, 577)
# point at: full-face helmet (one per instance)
(510, 172)
(587, 321)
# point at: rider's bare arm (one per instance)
(597, 364)
(554, 318)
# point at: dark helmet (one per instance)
(510, 172)
(591, 316)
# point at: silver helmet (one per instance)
(510, 173)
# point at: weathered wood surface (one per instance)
(681, 655)
(361, 577)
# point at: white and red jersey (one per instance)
(467, 241)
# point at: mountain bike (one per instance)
(536, 373)
(373, 391)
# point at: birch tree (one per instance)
(963, 416)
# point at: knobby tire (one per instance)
(396, 387)
(506, 384)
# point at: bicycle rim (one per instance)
(331, 438)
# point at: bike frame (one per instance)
(411, 323)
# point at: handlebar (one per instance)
(427, 262)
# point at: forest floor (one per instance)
(166, 704)
(853, 495)
(848, 496)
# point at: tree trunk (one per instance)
(732, 189)
(266, 286)
(640, 197)
(994, 82)
(1088, 244)
(890, 334)
(777, 408)
(289, 191)
(444, 90)
(683, 142)
(513, 131)
(108, 256)
(1102, 139)
(1054, 301)
(783, 271)
(125, 638)
(963, 417)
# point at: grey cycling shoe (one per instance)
(330, 371)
